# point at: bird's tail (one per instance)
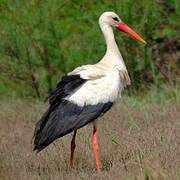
(38, 132)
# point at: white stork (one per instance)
(86, 93)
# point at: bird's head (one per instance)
(112, 19)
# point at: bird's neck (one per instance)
(109, 38)
(113, 55)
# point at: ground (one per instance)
(139, 139)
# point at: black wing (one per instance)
(64, 119)
(65, 87)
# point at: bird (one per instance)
(86, 93)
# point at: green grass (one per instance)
(46, 39)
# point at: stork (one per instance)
(86, 93)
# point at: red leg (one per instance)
(95, 148)
(73, 146)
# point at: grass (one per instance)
(139, 139)
(42, 40)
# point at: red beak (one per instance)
(125, 28)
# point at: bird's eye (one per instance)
(115, 19)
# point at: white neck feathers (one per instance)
(113, 56)
(109, 38)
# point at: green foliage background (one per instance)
(43, 40)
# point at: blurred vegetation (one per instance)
(43, 40)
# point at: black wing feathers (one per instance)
(66, 86)
(67, 118)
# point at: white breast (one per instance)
(101, 90)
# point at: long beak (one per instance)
(125, 28)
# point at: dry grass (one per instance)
(137, 141)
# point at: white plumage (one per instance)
(102, 88)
